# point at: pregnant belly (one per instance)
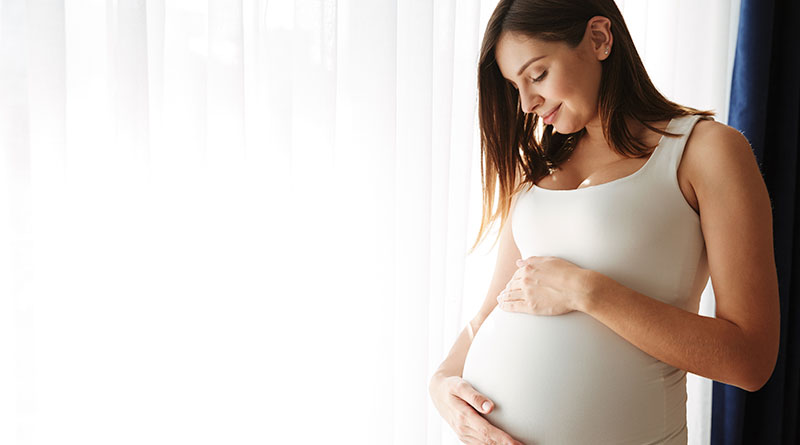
(569, 379)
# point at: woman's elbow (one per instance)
(760, 372)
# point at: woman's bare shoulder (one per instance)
(710, 131)
(711, 148)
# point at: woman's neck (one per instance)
(593, 143)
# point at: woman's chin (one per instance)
(561, 128)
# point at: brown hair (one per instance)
(510, 154)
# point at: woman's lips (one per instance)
(552, 116)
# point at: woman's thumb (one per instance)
(474, 398)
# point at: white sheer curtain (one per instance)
(245, 221)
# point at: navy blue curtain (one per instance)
(765, 107)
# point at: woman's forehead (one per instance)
(513, 52)
(515, 45)
(517, 40)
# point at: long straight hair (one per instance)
(511, 155)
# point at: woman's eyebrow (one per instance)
(525, 65)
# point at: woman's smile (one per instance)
(551, 117)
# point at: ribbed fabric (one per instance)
(569, 379)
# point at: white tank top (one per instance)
(569, 379)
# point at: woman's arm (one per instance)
(740, 346)
(507, 255)
(459, 404)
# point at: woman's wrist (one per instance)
(436, 379)
(590, 284)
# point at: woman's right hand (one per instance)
(459, 404)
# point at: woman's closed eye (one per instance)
(538, 79)
(533, 79)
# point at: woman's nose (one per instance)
(528, 104)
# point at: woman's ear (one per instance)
(599, 29)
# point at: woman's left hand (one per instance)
(545, 286)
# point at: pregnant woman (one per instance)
(616, 206)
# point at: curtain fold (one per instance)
(765, 107)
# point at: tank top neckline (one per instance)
(624, 178)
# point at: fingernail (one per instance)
(486, 405)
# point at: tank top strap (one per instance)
(673, 147)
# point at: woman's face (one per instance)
(560, 78)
